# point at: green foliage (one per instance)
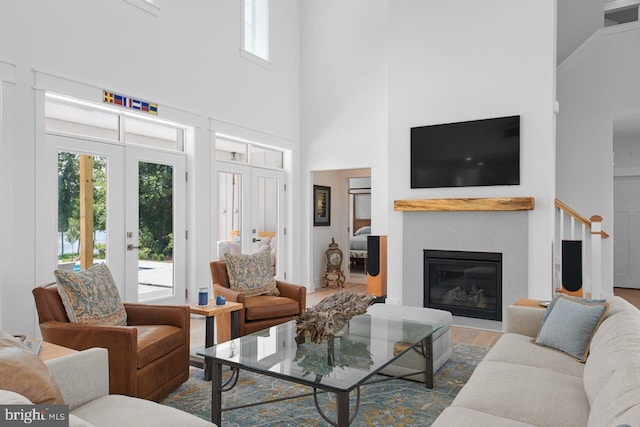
(73, 232)
(155, 204)
(155, 211)
(101, 248)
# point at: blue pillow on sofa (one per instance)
(569, 325)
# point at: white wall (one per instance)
(577, 21)
(401, 64)
(496, 59)
(187, 58)
(344, 99)
(597, 84)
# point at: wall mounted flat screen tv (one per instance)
(466, 154)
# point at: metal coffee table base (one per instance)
(425, 347)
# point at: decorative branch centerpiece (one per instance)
(329, 316)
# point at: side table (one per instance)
(210, 311)
(526, 302)
(50, 351)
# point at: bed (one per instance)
(358, 242)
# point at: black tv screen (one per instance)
(466, 154)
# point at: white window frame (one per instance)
(148, 6)
(249, 48)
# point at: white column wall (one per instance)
(596, 84)
(187, 58)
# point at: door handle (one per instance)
(131, 247)
(256, 240)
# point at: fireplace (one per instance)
(465, 283)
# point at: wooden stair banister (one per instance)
(587, 222)
(593, 228)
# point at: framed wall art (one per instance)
(321, 205)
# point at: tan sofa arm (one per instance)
(82, 376)
(147, 314)
(121, 341)
(523, 320)
(295, 292)
(228, 293)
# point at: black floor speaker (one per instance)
(572, 267)
(377, 265)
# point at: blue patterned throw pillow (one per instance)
(90, 297)
(251, 274)
(569, 325)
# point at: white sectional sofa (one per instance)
(83, 381)
(523, 384)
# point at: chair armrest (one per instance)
(120, 341)
(229, 294)
(147, 314)
(523, 320)
(295, 292)
(81, 377)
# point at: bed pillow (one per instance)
(90, 297)
(251, 274)
(22, 372)
(363, 230)
(570, 323)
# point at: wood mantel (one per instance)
(466, 204)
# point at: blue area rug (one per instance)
(388, 403)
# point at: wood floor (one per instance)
(631, 295)
(472, 336)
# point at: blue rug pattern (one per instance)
(387, 403)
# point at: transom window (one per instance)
(256, 27)
(70, 116)
(230, 149)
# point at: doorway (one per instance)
(250, 202)
(626, 248)
(119, 197)
(359, 227)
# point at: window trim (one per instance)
(247, 54)
(146, 6)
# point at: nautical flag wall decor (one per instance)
(134, 104)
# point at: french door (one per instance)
(155, 225)
(250, 212)
(118, 204)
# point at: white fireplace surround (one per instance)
(477, 231)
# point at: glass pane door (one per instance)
(266, 211)
(82, 210)
(155, 225)
(83, 183)
(249, 211)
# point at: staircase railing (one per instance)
(570, 225)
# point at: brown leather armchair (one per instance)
(260, 311)
(148, 358)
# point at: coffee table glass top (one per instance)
(362, 348)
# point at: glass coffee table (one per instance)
(338, 365)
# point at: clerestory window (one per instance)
(256, 27)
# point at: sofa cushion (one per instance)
(269, 307)
(155, 341)
(527, 394)
(457, 416)
(569, 325)
(8, 397)
(518, 349)
(615, 345)
(22, 372)
(118, 410)
(619, 400)
(91, 297)
(251, 274)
